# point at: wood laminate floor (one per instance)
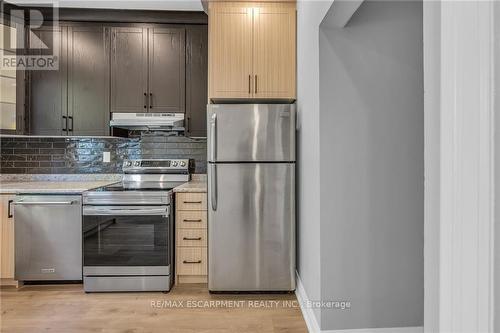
(187, 308)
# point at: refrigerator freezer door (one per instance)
(251, 227)
(251, 132)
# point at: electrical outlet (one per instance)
(106, 157)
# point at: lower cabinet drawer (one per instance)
(191, 237)
(191, 201)
(191, 261)
(191, 219)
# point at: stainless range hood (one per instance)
(148, 121)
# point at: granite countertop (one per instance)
(60, 184)
(56, 187)
(198, 183)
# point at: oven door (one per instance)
(127, 240)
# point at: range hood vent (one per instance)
(148, 121)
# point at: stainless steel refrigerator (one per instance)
(251, 197)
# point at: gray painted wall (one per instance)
(432, 107)
(309, 16)
(372, 167)
(496, 279)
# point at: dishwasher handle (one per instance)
(44, 203)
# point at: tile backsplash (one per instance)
(65, 155)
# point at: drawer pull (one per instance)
(192, 202)
(191, 262)
(191, 220)
(191, 238)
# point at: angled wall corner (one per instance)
(340, 13)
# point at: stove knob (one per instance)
(137, 163)
(128, 163)
(174, 163)
(183, 164)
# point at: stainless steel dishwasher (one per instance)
(48, 237)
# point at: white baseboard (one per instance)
(307, 313)
(417, 329)
(313, 325)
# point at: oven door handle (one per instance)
(126, 211)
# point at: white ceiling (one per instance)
(192, 5)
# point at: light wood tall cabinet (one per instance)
(6, 239)
(191, 238)
(252, 50)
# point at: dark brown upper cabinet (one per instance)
(129, 69)
(117, 67)
(196, 80)
(88, 80)
(73, 100)
(167, 70)
(148, 69)
(48, 93)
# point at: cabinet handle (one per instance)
(192, 262)
(71, 128)
(150, 100)
(188, 124)
(145, 100)
(192, 220)
(256, 83)
(192, 202)
(65, 129)
(114, 44)
(9, 209)
(191, 238)
(249, 84)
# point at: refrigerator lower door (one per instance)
(251, 231)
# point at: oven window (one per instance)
(126, 241)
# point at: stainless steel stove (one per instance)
(128, 233)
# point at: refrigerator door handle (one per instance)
(213, 138)
(213, 189)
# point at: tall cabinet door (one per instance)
(129, 69)
(230, 50)
(274, 50)
(196, 80)
(48, 108)
(167, 70)
(88, 80)
(6, 237)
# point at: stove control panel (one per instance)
(143, 165)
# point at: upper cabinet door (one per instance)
(196, 80)
(230, 51)
(167, 70)
(88, 80)
(48, 108)
(274, 50)
(129, 70)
